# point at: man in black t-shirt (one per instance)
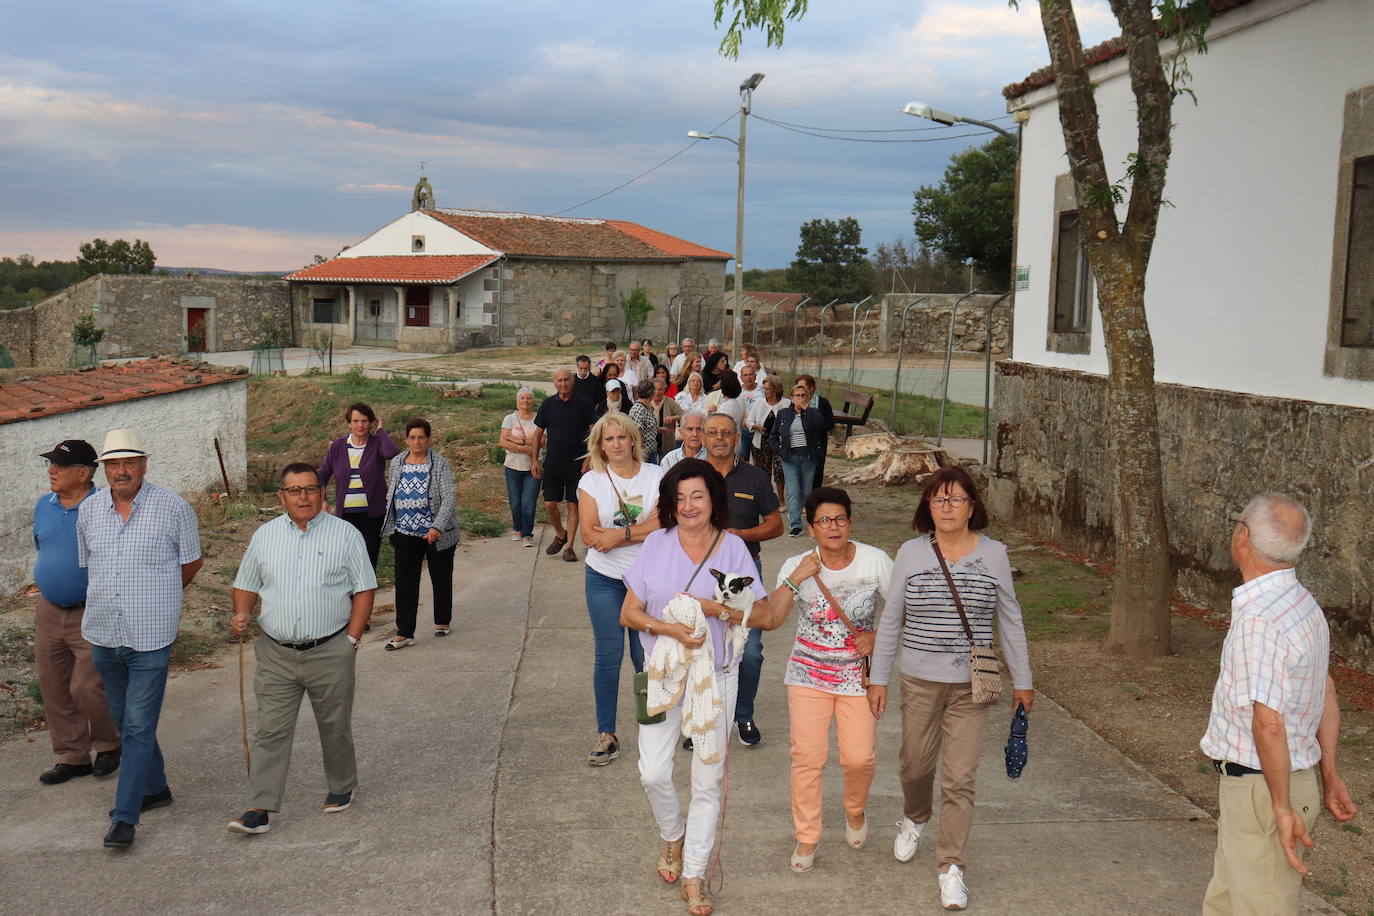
(562, 424)
(588, 385)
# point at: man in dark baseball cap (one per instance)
(74, 701)
(72, 452)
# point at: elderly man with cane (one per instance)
(312, 572)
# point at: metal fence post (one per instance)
(820, 343)
(949, 358)
(897, 376)
(854, 337)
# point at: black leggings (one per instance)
(411, 553)
(371, 529)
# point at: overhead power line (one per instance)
(651, 169)
(859, 130)
(813, 133)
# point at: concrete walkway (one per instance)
(476, 797)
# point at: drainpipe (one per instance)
(949, 358)
(901, 345)
(854, 337)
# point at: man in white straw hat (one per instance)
(140, 545)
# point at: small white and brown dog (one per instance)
(733, 591)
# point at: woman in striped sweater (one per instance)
(939, 716)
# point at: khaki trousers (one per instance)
(1250, 874)
(941, 723)
(810, 712)
(326, 673)
(73, 697)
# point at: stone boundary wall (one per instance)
(880, 325)
(178, 429)
(1052, 476)
(144, 315)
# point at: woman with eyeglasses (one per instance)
(941, 724)
(798, 438)
(422, 521)
(825, 672)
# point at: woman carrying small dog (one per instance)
(835, 589)
(694, 511)
(422, 521)
(616, 503)
(941, 723)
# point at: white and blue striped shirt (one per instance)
(133, 597)
(306, 579)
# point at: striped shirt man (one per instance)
(133, 597)
(306, 579)
(1275, 653)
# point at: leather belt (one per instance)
(1227, 768)
(302, 646)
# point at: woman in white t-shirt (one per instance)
(522, 487)
(693, 394)
(825, 672)
(617, 502)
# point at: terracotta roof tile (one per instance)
(405, 268)
(28, 397)
(532, 235)
(1099, 54)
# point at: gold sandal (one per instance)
(670, 863)
(694, 895)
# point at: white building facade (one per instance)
(1260, 298)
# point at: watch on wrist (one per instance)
(627, 533)
(353, 639)
(649, 628)
(725, 614)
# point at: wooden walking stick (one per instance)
(243, 714)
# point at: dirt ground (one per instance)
(1154, 712)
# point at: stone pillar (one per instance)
(351, 311)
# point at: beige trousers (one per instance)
(941, 724)
(1250, 874)
(326, 673)
(73, 698)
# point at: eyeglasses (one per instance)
(955, 502)
(297, 491)
(826, 521)
(718, 433)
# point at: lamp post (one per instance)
(746, 93)
(922, 110)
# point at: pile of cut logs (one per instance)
(901, 459)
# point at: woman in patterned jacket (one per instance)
(422, 520)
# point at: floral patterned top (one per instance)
(823, 655)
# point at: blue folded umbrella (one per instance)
(1017, 750)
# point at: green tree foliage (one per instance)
(118, 257)
(772, 280)
(969, 213)
(636, 305)
(22, 280)
(831, 264)
(85, 333)
(906, 267)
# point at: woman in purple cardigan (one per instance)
(357, 462)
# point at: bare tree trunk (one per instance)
(1119, 255)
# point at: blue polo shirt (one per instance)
(56, 572)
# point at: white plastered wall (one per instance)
(1238, 289)
(178, 430)
(396, 237)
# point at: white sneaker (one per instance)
(953, 891)
(908, 835)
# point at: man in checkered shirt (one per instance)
(141, 547)
(1274, 717)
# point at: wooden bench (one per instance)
(854, 411)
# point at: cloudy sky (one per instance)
(253, 134)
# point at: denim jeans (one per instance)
(522, 490)
(604, 597)
(750, 666)
(134, 683)
(798, 472)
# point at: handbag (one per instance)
(642, 677)
(839, 609)
(985, 672)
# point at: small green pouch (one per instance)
(642, 701)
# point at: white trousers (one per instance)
(657, 745)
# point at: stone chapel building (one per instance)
(440, 279)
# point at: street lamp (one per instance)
(922, 110)
(746, 92)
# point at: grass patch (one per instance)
(917, 415)
(479, 524)
(1062, 599)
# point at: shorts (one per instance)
(560, 482)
